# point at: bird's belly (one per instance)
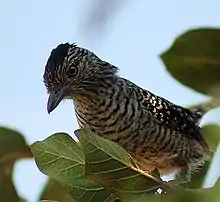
(163, 163)
(150, 144)
(157, 148)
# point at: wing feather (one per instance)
(172, 115)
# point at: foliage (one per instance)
(96, 169)
(193, 59)
(13, 147)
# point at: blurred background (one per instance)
(128, 34)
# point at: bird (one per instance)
(158, 134)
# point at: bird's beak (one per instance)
(54, 100)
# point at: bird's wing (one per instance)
(174, 116)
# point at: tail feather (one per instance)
(198, 113)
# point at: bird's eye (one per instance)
(72, 71)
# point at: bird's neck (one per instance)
(90, 99)
(90, 105)
(93, 97)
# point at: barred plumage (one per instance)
(156, 132)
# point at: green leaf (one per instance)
(109, 164)
(49, 201)
(8, 191)
(12, 145)
(53, 190)
(212, 135)
(211, 194)
(62, 159)
(194, 60)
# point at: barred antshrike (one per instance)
(157, 133)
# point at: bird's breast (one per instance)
(111, 117)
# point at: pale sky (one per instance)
(133, 40)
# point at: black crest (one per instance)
(57, 56)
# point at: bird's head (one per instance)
(71, 70)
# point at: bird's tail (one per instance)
(198, 112)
